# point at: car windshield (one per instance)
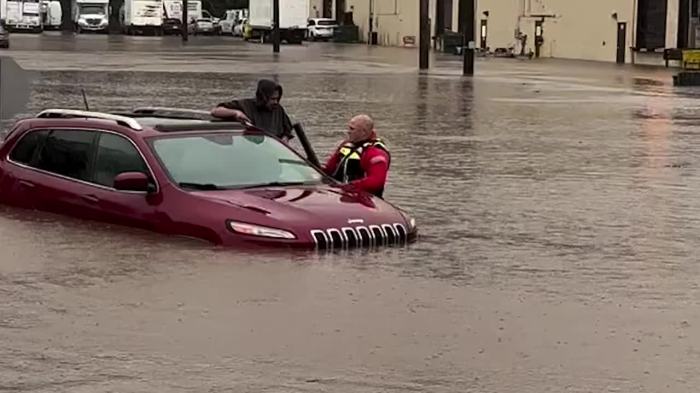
(89, 9)
(229, 161)
(326, 23)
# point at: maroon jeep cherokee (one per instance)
(174, 173)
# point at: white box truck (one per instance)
(172, 16)
(23, 15)
(293, 18)
(51, 14)
(142, 17)
(91, 15)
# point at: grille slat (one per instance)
(353, 240)
(379, 235)
(360, 236)
(401, 232)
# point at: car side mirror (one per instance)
(132, 181)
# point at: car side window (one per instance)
(67, 153)
(24, 150)
(115, 155)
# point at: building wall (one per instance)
(502, 22)
(393, 19)
(315, 8)
(572, 29)
(672, 23)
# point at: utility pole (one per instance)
(185, 24)
(276, 26)
(468, 41)
(424, 45)
(66, 22)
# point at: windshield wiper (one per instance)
(200, 186)
(277, 184)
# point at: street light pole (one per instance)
(276, 26)
(468, 41)
(424, 45)
(184, 27)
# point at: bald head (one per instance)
(360, 128)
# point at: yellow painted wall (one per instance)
(579, 29)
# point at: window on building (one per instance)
(651, 24)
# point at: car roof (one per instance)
(145, 121)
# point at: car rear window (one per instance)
(24, 150)
(67, 153)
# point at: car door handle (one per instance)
(27, 184)
(90, 198)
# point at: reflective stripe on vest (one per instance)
(349, 167)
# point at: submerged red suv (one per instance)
(173, 172)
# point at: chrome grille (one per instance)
(360, 236)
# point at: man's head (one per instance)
(360, 128)
(269, 93)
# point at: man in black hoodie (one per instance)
(264, 111)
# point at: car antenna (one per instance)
(87, 107)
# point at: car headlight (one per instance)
(410, 220)
(258, 230)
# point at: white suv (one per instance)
(320, 28)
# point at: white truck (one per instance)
(172, 16)
(142, 16)
(90, 15)
(231, 19)
(23, 15)
(51, 14)
(194, 9)
(293, 19)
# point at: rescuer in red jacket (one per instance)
(362, 160)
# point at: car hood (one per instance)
(315, 206)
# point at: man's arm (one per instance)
(287, 126)
(230, 110)
(376, 165)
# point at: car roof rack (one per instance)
(159, 111)
(71, 113)
(199, 126)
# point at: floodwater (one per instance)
(557, 203)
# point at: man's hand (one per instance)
(240, 116)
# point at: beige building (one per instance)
(600, 30)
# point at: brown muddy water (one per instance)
(558, 209)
